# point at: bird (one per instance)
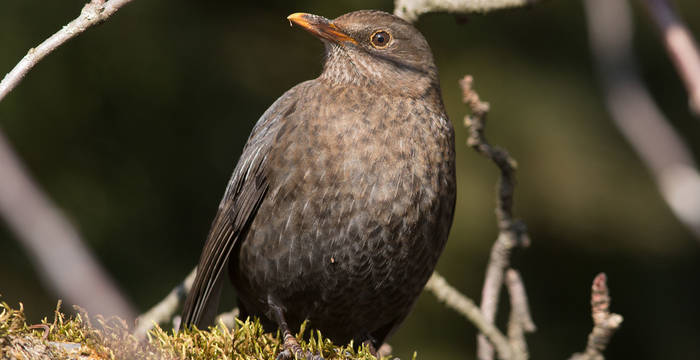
(343, 197)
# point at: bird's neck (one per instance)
(341, 70)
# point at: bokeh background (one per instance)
(134, 127)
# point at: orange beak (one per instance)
(320, 27)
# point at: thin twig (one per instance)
(43, 327)
(680, 46)
(511, 232)
(466, 307)
(410, 10)
(94, 12)
(520, 321)
(604, 323)
(636, 115)
(164, 310)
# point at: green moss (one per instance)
(71, 337)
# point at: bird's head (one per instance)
(373, 47)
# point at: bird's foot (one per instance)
(369, 343)
(293, 351)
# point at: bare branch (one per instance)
(94, 12)
(65, 265)
(511, 232)
(164, 310)
(636, 115)
(520, 321)
(466, 307)
(410, 10)
(604, 323)
(680, 46)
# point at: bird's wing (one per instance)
(244, 194)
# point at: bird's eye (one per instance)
(380, 39)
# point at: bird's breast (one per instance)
(380, 155)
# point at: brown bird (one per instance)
(343, 197)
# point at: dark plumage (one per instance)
(343, 197)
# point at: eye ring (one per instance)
(380, 39)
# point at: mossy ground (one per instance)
(75, 337)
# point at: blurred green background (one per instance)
(134, 128)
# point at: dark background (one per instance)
(134, 127)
